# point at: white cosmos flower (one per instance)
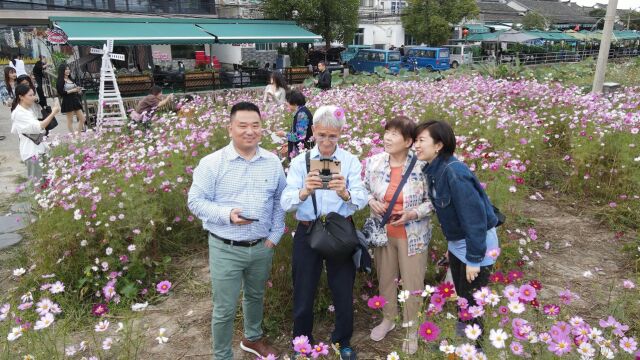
(498, 338)
(102, 326)
(57, 287)
(516, 307)
(473, 331)
(404, 295)
(106, 344)
(19, 272)
(15, 333)
(161, 338)
(393, 356)
(139, 306)
(45, 321)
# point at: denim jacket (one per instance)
(462, 206)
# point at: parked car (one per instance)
(366, 60)
(351, 52)
(434, 59)
(460, 55)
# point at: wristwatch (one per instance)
(348, 197)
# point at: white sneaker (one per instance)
(380, 332)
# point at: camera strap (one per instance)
(307, 158)
(405, 177)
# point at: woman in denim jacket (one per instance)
(408, 229)
(465, 213)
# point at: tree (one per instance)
(429, 21)
(334, 20)
(534, 21)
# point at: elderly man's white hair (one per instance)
(326, 116)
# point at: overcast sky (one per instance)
(622, 4)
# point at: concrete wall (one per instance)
(227, 53)
(388, 34)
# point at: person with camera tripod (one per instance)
(316, 198)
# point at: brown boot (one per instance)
(259, 347)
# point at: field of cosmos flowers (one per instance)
(111, 219)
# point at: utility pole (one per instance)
(605, 45)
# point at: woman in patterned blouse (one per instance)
(408, 228)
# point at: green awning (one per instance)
(244, 32)
(133, 33)
(552, 35)
(476, 28)
(492, 36)
(172, 31)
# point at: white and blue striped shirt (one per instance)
(327, 200)
(224, 180)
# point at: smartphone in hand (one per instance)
(247, 218)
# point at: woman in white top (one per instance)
(17, 63)
(276, 91)
(24, 121)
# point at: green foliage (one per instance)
(297, 55)
(533, 20)
(335, 20)
(428, 20)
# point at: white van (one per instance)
(459, 54)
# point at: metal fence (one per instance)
(553, 57)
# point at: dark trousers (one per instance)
(307, 267)
(464, 288)
(42, 99)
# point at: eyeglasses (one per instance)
(332, 138)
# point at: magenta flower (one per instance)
(99, 309)
(377, 302)
(319, 350)
(551, 309)
(446, 290)
(429, 331)
(527, 292)
(163, 287)
(339, 113)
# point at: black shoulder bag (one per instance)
(331, 235)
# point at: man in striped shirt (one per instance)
(236, 193)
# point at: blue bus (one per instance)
(431, 58)
(366, 60)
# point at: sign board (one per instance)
(56, 36)
(117, 57)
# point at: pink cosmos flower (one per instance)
(163, 287)
(527, 292)
(429, 331)
(628, 284)
(516, 348)
(560, 346)
(319, 350)
(301, 345)
(377, 302)
(551, 309)
(566, 296)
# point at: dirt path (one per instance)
(583, 257)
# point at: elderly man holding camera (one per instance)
(323, 183)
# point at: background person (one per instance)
(18, 64)
(71, 100)
(301, 127)
(38, 72)
(324, 77)
(277, 89)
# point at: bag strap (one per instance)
(405, 177)
(307, 158)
